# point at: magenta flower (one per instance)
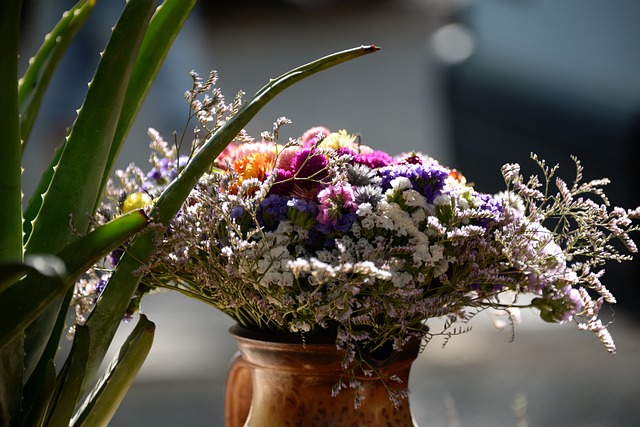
(374, 159)
(283, 184)
(309, 164)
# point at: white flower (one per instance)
(511, 199)
(400, 183)
(414, 199)
(364, 209)
(442, 200)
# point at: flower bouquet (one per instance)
(323, 236)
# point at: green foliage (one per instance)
(34, 290)
(46, 249)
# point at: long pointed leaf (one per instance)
(117, 294)
(13, 345)
(42, 339)
(103, 401)
(10, 172)
(37, 397)
(35, 202)
(40, 380)
(165, 24)
(114, 300)
(22, 302)
(11, 370)
(12, 356)
(67, 205)
(67, 392)
(75, 187)
(34, 83)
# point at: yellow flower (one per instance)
(338, 140)
(136, 201)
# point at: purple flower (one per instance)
(336, 213)
(164, 172)
(302, 212)
(306, 174)
(160, 171)
(99, 287)
(303, 206)
(428, 180)
(573, 302)
(273, 210)
(237, 212)
(490, 205)
(115, 255)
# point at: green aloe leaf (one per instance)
(123, 283)
(36, 397)
(67, 206)
(35, 202)
(32, 87)
(40, 381)
(22, 302)
(36, 79)
(114, 300)
(49, 269)
(11, 362)
(161, 32)
(10, 159)
(163, 29)
(67, 392)
(78, 257)
(102, 403)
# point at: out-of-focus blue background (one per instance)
(473, 83)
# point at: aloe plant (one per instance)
(46, 248)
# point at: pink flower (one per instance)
(310, 137)
(333, 201)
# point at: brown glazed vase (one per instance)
(282, 383)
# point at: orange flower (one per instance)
(254, 165)
(457, 175)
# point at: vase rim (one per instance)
(238, 331)
(261, 339)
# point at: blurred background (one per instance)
(475, 84)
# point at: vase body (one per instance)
(291, 385)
